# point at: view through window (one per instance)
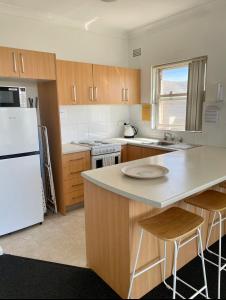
(172, 97)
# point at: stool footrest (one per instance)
(151, 266)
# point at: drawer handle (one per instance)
(73, 186)
(76, 159)
(74, 173)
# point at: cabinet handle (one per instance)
(22, 63)
(95, 93)
(14, 62)
(91, 94)
(74, 173)
(74, 93)
(76, 159)
(123, 94)
(127, 94)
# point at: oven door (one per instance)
(9, 97)
(100, 161)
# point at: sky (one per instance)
(178, 74)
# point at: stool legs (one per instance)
(176, 250)
(203, 261)
(177, 246)
(135, 265)
(219, 255)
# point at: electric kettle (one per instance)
(130, 131)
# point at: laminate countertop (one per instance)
(72, 148)
(190, 172)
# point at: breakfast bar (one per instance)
(115, 203)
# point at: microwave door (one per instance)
(9, 97)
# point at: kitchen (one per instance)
(86, 95)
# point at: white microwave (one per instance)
(11, 96)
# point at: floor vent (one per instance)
(137, 52)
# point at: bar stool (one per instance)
(173, 225)
(214, 202)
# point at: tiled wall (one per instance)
(92, 122)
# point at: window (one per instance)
(172, 100)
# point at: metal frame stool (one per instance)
(214, 202)
(173, 225)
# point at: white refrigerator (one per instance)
(21, 203)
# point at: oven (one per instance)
(13, 96)
(100, 161)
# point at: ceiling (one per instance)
(121, 15)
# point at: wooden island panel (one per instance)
(112, 235)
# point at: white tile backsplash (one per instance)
(92, 121)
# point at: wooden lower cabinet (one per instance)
(73, 189)
(138, 152)
(124, 154)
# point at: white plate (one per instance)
(145, 171)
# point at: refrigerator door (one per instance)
(20, 193)
(18, 131)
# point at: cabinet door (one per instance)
(133, 86)
(134, 153)
(66, 82)
(8, 62)
(83, 83)
(124, 156)
(37, 65)
(108, 84)
(147, 152)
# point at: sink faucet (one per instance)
(168, 136)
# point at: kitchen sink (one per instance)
(162, 144)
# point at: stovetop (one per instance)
(101, 147)
(94, 143)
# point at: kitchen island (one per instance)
(115, 203)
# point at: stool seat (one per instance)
(209, 200)
(172, 224)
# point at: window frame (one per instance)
(157, 94)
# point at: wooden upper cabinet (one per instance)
(84, 82)
(16, 63)
(66, 81)
(133, 84)
(75, 82)
(37, 65)
(108, 85)
(8, 62)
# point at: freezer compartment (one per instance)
(18, 131)
(20, 193)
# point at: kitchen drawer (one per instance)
(77, 196)
(72, 185)
(75, 163)
(76, 178)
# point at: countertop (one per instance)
(190, 172)
(71, 148)
(146, 142)
(143, 142)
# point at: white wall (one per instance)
(196, 33)
(67, 42)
